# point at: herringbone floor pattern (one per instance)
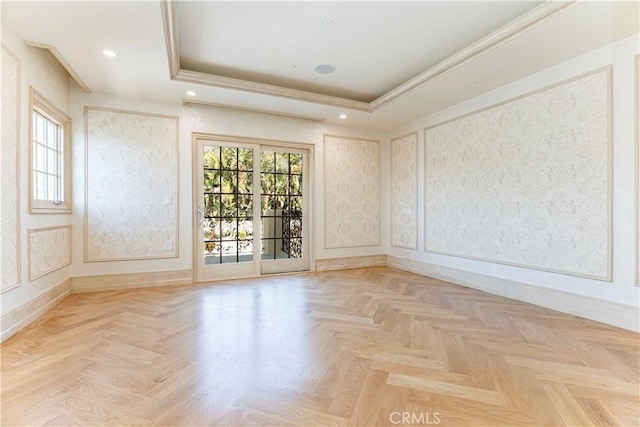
(374, 346)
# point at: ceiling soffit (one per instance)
(499, 37)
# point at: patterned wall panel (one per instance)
(49, 250)
(131, 185)
(9, 184)
(404, 191)
(527, 182)
(637, 119)
(352, 192)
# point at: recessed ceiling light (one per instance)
(108, 53)
(325, 69)
(343, 116)
(191, 93)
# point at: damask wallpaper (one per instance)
(352, 192)
(526, 182)
(49, 250)
(131, 185)
(9, 184)
(404, 191)
(637, 118)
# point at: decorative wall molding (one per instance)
(10, 261)
(493, 193)
(351, 192)
(49, 249)
(350, 262)
(18, 318)
(115, 282)
(131, 185)
(404, 191)
(637, 169)
(611, 313)
(515, 28)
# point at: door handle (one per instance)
(200, 216)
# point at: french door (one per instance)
(252, 208)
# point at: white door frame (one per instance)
(259, 267)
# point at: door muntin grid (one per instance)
(281, 205)
(228, 205)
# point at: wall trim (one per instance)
(612, 313)
(391, 143)
(637, 167)
(118, 282)
(609, 275)
(17, 160)
(29, 248)
(324, 178)
(18, 318)
(345, 263)
(85, 234)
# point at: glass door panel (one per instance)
(281, 210)
(251, 209)
(226, 241)
(228, 205)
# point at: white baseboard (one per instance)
(350, 262)
(20, 317)
(611, 313)
(118, 282)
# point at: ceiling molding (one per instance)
(499, 37)
(267, 89)
(253, 110)
(503, 35)
(62, 62)
(170, 21)
(169, 15)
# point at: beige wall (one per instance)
(44, 250)
(201, 119)
(615, 299)
(46, 279)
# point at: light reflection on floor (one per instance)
(254, 334)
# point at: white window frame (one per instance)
(45, 108)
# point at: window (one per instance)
(50, 159)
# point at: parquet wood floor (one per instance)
(374, 346)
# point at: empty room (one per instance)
(349, 213)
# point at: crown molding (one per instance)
(503, 35)
(253, 110)
(267, 89)
(170, 23)
(62, 62)
(513, 29)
